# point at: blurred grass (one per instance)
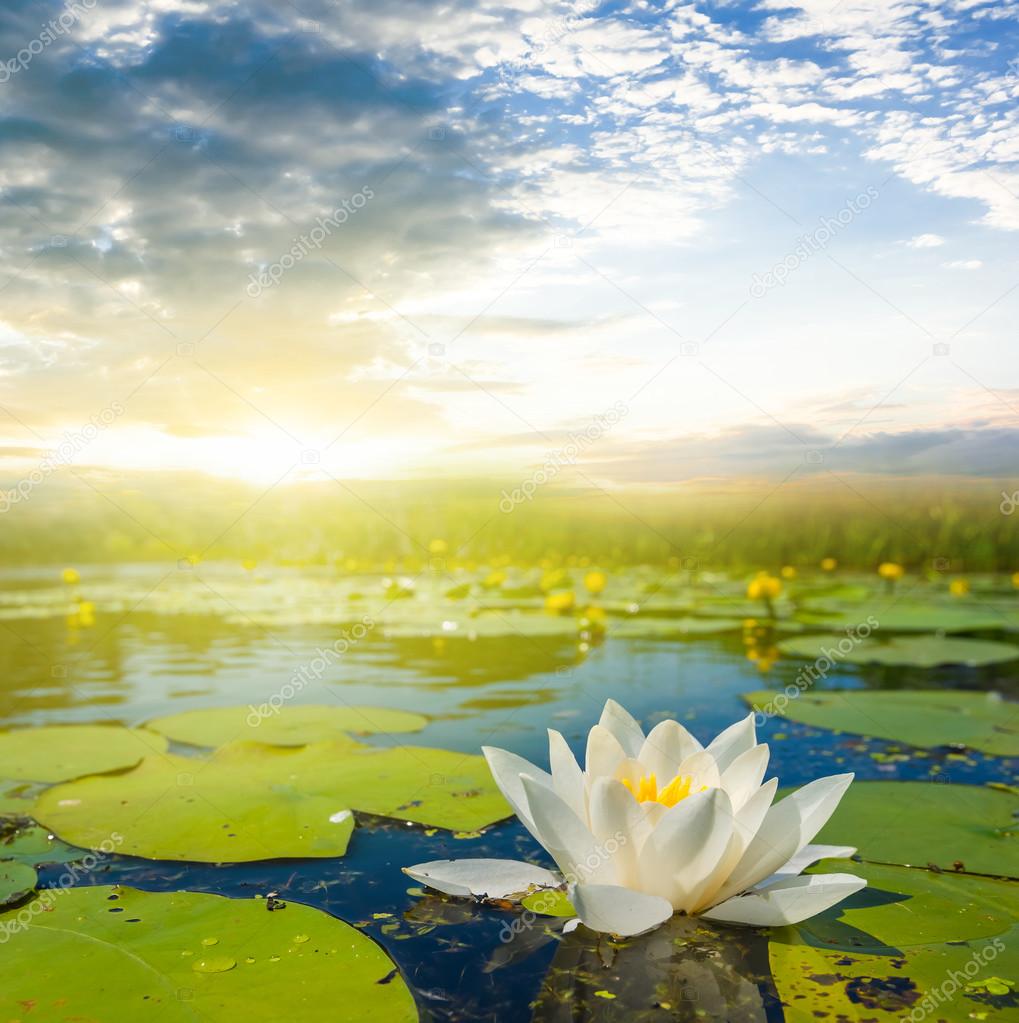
(860, 521)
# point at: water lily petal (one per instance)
(615, 910)
(810, 854)
(743, 777)
(702, 770)
(746, 823)
(623, 726)
(506, 770)
(685, 847)
(493, 879)
(567, 777)
(618, 824)
(604, 753)
(788, 826)
(566, 837)
(788, 901)
(736, 739)
(667, 745)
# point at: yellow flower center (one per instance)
(647, 790)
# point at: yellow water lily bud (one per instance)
(561, 602)
(829, 564)
(494, 579)
(438, 547)
(959, 587)
(249, 564)
(788, 572)
(70, 576)
(594, 582)
(890, 571)
(1015, 580)
(764, 587)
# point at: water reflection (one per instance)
(685, 970)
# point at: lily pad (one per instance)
(903, 906)
(919, 823)
(549, 902)
(62, 752)
(905, 617)
(210, 811)
(648, 627)
(116, 953)
(17, 880)
(250, 801)
(34, 846)
(822, 984)
(905, 651)
(286, 726)
(982, 721)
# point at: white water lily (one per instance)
(659, 824)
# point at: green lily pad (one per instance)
(411, 622)
(288, 726)
(905, 906)
(250, 801)
(936, 982)
(647, 627)
(107, 953)
(13, 800)
(905, 617)
(34, 845)
(982, 721)
(17, 880)
(62, 752)
(905, 651)
(549, 902)
(210, 811)
(919, 823)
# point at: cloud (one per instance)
(926, 241)
(773, 452)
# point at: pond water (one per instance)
(131, 665)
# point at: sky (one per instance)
(661, 241)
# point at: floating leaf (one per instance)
(906, 906)
(648, 627)
(106, 953)
(286, 726)
(916, 822)
(905, 651)
(17, 880)
(905, 617)
(62, 752)
(929, 719)
(821, 984)
(549, 902)
(212, 811)
(34, 845)
(249, 801)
